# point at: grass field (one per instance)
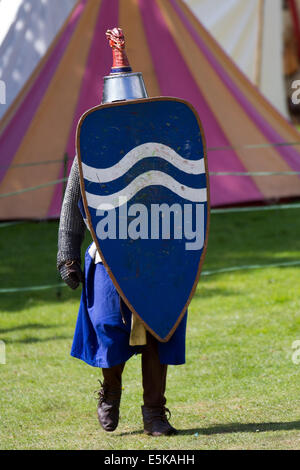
(239, 388)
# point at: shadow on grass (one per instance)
(28, 326)
(243, 427)
(209, 292)
(20, 301)
(32, 339)
(232, 428)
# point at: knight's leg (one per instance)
(154, 374)
(113, 376)
(154, 386)
(109, 397)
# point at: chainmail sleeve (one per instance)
(71, 226)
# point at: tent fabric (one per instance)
(8, 13)
(177, 57)
(252, 34)
(272, 83)
(27, 40)
(235, 25)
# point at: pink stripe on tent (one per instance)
(98, 65)
(290, 155)
(13, 135)
(175, 79)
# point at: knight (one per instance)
(107, 333)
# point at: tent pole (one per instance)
(296, 22)
(259, 44)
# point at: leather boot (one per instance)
(110, 397)
(154, 385)
(156, 422)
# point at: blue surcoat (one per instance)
(101, 336)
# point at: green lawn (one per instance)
(239, 388)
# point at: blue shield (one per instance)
(144, 184)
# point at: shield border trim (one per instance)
(82, 188)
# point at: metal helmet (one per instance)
(122, 84)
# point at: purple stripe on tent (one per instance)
(98, 65)
(14, 133)
(175, 79)
(289, 154)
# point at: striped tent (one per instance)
(178, 58)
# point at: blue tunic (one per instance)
(101, 337)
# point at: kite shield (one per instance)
(144, 183)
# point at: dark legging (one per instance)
(154, 375)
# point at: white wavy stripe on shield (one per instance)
(150, 149)
(150, 178)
